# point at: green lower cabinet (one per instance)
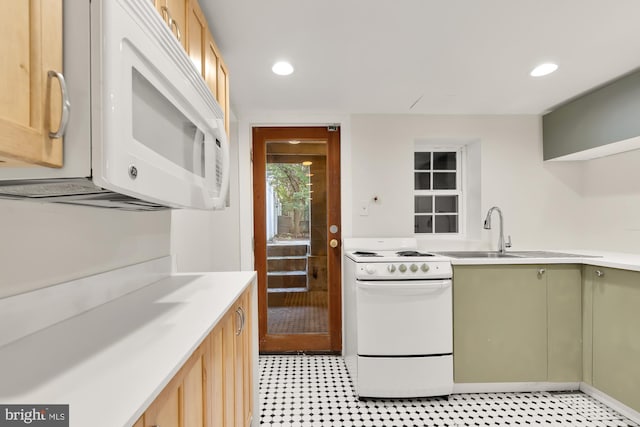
(517, 323)
(616, 334)
(564, 323)
(499, 324)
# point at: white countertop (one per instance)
(110, 362)
(619, 260)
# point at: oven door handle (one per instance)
(419, 285)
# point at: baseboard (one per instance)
(459, 388)
(612, 403)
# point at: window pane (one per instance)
(422, 161)
(446, 204)
(446, 223)
(444, 161)
(423, 224)
(444, 180)
(423, 204)
(423, 181)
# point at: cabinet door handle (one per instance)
(66, 104)
(541, 272)
(244, 318)
(599, 273)
(174, 24)
(239, 320)
(165, 14)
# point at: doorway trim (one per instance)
(330, 342)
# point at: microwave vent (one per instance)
(73, 191)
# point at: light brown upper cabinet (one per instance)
(217, 77)
(31, 85)
(186, 20)
(196, 35)
(174, 13)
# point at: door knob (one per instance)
(333, 243)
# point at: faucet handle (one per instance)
(508, 242)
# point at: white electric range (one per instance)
(398, 319)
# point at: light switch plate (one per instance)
(364, 207)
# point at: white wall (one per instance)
(210, 240)
(539, 201)
(611, 209)
(45, 244)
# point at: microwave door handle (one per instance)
(199, 151)
(219, 202)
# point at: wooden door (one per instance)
(30, 100)
(298, 286)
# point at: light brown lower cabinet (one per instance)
(214, 388)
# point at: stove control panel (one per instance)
(401, 270)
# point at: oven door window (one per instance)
(160, 126)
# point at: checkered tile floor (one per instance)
(310, 391)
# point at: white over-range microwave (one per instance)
(144, 132)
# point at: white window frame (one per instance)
(460, 150)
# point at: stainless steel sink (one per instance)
(478, 254)
(513, 254)
(547, 254)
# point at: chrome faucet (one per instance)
(487, 226)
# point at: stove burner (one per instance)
(412, 253)
(365, 253)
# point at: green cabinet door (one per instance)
(564, 322)
(500, 324)
(616, 334)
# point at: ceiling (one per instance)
(451, 56)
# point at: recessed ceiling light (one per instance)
(543, 69)
(282, 68)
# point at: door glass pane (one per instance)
(296, 215)
(446, 223)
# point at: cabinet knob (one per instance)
(541, 271)
(599, 273)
